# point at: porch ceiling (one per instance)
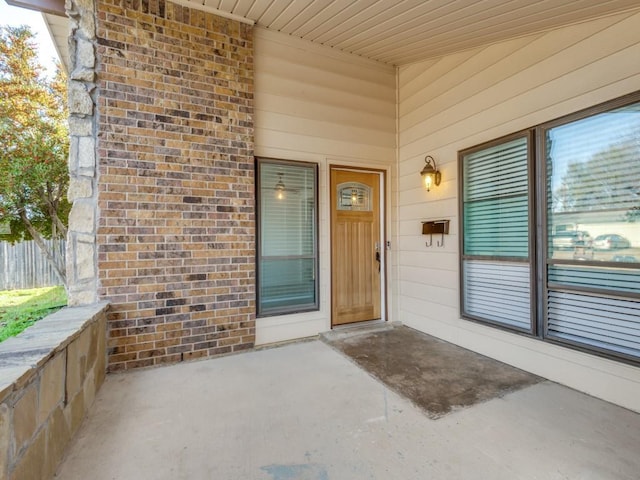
(399, 32)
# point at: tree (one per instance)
(34, 146)
(609, 180)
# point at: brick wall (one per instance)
(176, 234)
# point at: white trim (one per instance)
(64, 58)
(205, 8)
(383, 245)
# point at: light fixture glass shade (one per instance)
(430, 174)
(428, 180)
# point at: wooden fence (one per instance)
(24, 266)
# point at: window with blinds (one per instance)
(287, 237)
(496, 229)
(587, 251)
(593, 230)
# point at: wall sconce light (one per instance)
(280, 188)
(430, 173)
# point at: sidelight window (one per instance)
(287, 237)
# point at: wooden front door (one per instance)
(356, 246)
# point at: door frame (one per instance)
(384, 243)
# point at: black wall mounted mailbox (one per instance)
(440, 227)
(435, 226)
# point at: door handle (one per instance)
(378, 260)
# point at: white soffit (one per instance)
(59, 32)
(400, 32)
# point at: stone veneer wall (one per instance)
(49, 376)
(176, 234)
(81, 239)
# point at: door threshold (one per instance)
(360, 328)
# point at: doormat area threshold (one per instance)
(435, 375)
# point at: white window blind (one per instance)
(498, 291)
(596, 321)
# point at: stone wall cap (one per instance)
(11, 377)
(22, 355)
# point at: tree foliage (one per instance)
(34, 145)
(609, 180)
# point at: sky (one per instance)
(15, 16)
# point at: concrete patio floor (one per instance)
(305, 412)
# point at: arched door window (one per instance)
(354, 196)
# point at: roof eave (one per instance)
(54, 7)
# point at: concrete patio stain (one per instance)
(435, 375)
(308, 471)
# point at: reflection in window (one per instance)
(593, 231)
(287, 233)
(354, 196)
(593, 186)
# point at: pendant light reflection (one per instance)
(280, 188)
(354, 196)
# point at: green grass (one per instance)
(21, 308)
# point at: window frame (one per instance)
(538, 235)
(531, 258)
(261, 313)
(543, 234)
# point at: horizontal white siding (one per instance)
(475, 96)
(318, 105)
(312, 101)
